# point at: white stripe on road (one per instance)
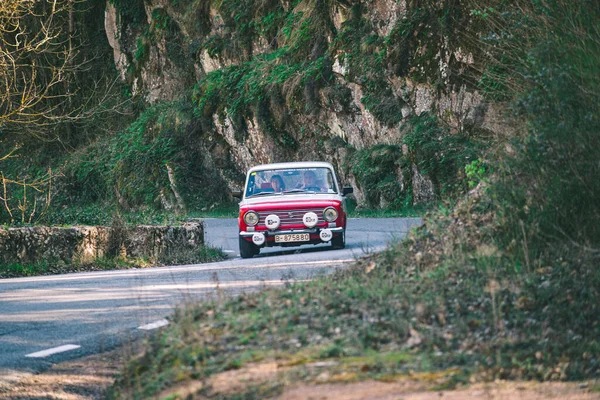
(154, 325)
(54, 350)
(229, 251)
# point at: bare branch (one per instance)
(35, 56)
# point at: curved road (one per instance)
(50, 319)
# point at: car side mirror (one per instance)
(347, 190)
(236, 193)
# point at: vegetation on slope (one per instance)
(442, 306)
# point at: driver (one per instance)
(310, 181)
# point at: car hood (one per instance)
(292, 201)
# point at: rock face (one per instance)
(86, 243)
(429, 86)
(156, 69)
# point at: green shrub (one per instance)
(132, 11)
(550, 177)
(128, 171)
(379, 173)
(130, 166)
(440, 154)
(476, 171)
(255, 88)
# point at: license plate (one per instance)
(292, 237)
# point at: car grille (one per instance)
(295, 218)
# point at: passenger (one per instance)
(277, 183)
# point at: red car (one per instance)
(291, 204)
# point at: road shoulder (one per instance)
(83, 378)
(89, 378)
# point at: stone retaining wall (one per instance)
(86, 243)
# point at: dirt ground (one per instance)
(408, 390)
(84, 378)
(89, 377)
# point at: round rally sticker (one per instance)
(326, 235)
(272, 221)
(310, 219)
(258, 239)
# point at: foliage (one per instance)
(132, 11)
(272, 85)
(100, 213)
(439, 154)
(34, 58)
(142, 50)
(378, 171)
(431, 43)
(42, 62)
(161, 29)
(476, 172)
(131, 168)
(164, 27)
(255, 89)
(61, 96)
(203, 254)
(549, 174)
(25, 201)
(132, 164)
(280, 57)
(408, 211)
(365, 54)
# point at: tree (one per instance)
(47, 84)
(36, 59)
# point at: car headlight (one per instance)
(251, 218)
(330, 214)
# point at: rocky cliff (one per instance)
(343, 81)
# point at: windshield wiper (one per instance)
(292, 191)
(262, 194)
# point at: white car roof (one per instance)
(301, 164)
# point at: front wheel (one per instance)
(247, 249)
(339, 241)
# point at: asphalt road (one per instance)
(50, 319)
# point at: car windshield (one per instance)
(290, 180)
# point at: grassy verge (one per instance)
(219, 211)
(52, 267)
(407, 212)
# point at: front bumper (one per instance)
(269, 236)
(311, 231)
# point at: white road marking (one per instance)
(154, 325)
(54, 350)
(229, 251)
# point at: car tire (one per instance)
(339, 241)
(247, 249)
